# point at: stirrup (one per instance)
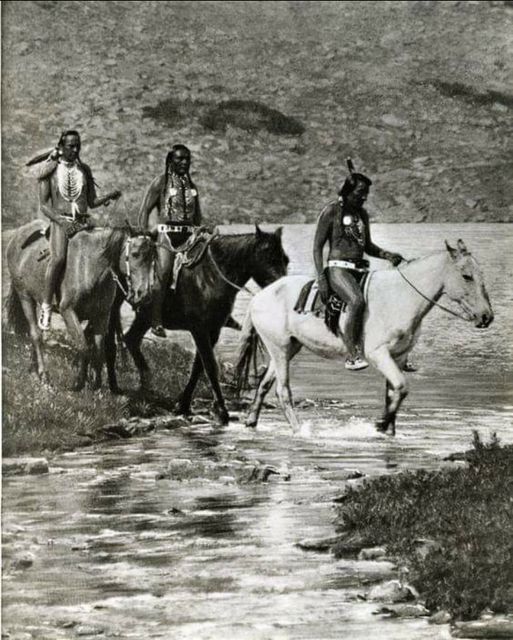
(356, 364)
(45, 315)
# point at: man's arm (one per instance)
(197, 217)
(324, 224)
(93, 201)
(150, 201)
(372, 249)
(45, 202)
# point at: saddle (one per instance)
(187, 244)
(309, 301)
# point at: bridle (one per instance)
(127, 293)
(433, 302)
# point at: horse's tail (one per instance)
(247, 356)
(15, 317)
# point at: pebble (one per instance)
(86, 630)
(24, 466)
(372, 553)
(321, 544)
(491, 628)
(440, 617)
(403, 611)
(392, 591)
(22, 561)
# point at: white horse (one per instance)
(397, 301)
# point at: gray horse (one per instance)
(95, 259)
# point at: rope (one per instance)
(446, 309)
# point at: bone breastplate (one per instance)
(69, 186)
(179, 198)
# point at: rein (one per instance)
(223, 277)
(434, 302)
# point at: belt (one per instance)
(345, 264)
(173, 228)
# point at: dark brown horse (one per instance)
(202, 304)
(95, 260)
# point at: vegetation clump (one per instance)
(37, 418)
(454, 528)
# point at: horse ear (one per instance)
(350, 165)
(451, 250)
(462, 248)
(279, 232)
(131, 230)
(258, 231)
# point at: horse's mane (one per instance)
(233, 248)
(111, 249)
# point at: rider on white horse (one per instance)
(345, 225)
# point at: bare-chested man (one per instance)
(344, 224)
(66, 191)
(174, 198)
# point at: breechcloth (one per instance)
(309, 299)
(178, 234)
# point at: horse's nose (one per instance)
(486, 319)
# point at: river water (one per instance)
(169, 536)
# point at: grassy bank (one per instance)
(37, 419)
(454, 528)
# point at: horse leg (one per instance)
(263, 389)
(95, 338)
(396, 387)
(281, 356)
(183, 403)
(110, 345)
(133, 339)
(266, 384)
(205, 348)
(37, 359)
(78, 337)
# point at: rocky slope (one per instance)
(271, 98)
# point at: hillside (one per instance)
(271, 98)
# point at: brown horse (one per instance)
(202, 304)
(95, 259)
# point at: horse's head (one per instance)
(137, 265)
(268, 260)
(465, 285)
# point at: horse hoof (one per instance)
(181, 410)
(222, 417)
(382, 426)
(251, 422)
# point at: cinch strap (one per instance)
(344, 264)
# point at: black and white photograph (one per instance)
(257, 320)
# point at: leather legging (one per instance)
(55, 268)
(344, 284)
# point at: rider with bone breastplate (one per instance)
(66, 191)
(174, 196)
(344, 224)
